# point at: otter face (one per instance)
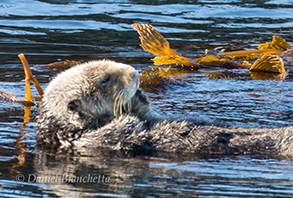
(110, 88)
(88, 96)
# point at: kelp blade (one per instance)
(169, 60)
(278, 43)
(156, 77)
(213, 61)
(12, 98)
(252, 52)
(64, 64)
(277, 46)
(269, 63)
(266, 76)
(152, 41)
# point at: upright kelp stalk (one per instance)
(28, 77)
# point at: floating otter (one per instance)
(98, 104)
(86, 97)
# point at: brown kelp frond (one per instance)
(266, 76)
(177, 60)
(152, 41)
(155, 77)
(269, 63)
(226, 75)
(252, 52)
(8, 96)
(288, 53)
(232, 75)
(277, 46)
(214, 61)
(278, 43)
(12, 98)
(64, 64)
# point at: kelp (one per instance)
(277, 46)
(278, 43)
(288, 53)
(155, 77)
(152, 41)
(214, 61)
(269, 63)
(247, 57)
(252, 52)
(63, 64)
(208, 59)
(233, 75)
(28, 76)
(9, 97)
(177, 60)
(266, 76)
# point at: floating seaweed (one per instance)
(155, 77)
(277, 46)
(28, 76)
(269, 63)
(63, 64)
(152, 41)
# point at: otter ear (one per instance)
(74, 105)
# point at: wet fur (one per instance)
(131, 127)
(129, 133)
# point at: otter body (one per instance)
(98, 104)
(129, 133)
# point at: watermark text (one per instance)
(59, 178)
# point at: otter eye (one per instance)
(105, 81)
(74, 105)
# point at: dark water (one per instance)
(47, 31)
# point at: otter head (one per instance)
(108, 88)
(87, 96)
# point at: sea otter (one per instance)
(86, 97)
(99, 104)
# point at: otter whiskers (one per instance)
(116, 97)
(118, 102)
(121, 102)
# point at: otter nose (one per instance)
(136, 77)
(137, 80)
(132, 76)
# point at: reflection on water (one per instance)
(118, 174)
(47, 31)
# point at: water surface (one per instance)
(47, 31)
